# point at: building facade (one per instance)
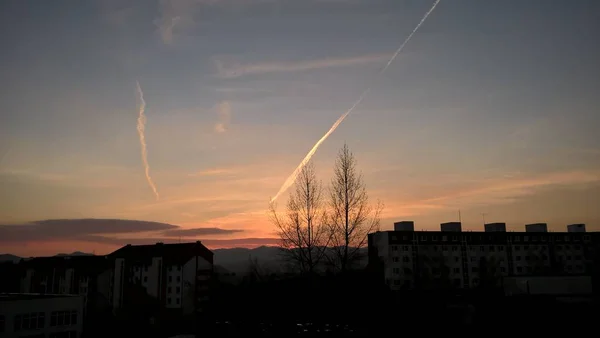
(177, 276)
(88, 276)
(456, 259)
(35, 315)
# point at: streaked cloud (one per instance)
(224, 111)
(95, 230)
(61, 229)
(200, 232)
(507, 189)
(210, 243)
(228, 69)
(178, 16)
(493, 191)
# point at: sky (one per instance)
(490, 109)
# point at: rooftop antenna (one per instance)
(459, 219)
(483, 216)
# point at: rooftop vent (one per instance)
(404, 226)
(495, 227)
(536, 227)
(451, 227)
(576, 228)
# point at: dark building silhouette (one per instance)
(177, 276)
(455, 259)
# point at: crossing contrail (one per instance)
(292, 178)
(141, 127)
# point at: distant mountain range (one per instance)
(235, 260)
(16, 259)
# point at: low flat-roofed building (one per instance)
(41, 315)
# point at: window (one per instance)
(177, 300)
(63, 334)
(145, 279)
(178, 290)
(63, 318)
(169, 289)
(456, 270)
(405, 259)
(178, 279)
(29, 321)
(395, 271)
(169, 300)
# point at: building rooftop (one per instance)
(80, 262)
(7, 297)
(171, 253)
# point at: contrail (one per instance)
(141, 127)
(292, 178)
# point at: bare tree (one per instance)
(303, 230)
(352, 217)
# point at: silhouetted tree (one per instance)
(433, 271)
(490, 277)
(303, 230)
(352, 217)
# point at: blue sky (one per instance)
(491, 107)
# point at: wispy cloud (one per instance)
(507, 189)
(224, 111)
(178, 16)
(214, 172)
(501, 190)
(227, 70)
(175, 13)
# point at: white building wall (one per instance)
(26, 281)
(154, 281)
(174, 285)
(119, 275)
(189, 280)
(46, 307)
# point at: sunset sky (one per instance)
(493, 107)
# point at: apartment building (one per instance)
(453, 258)
(88, 276)
(177, 275)
(40, 315)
